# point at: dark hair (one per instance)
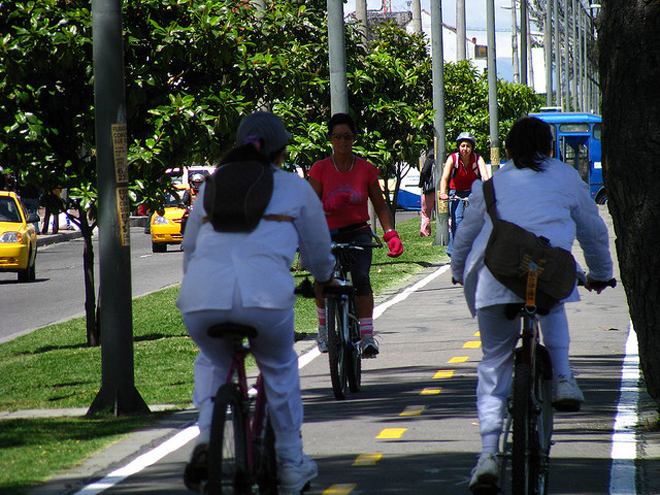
(244, 153)
(339, 119)
(528, 143)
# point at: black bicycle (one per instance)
(528, 428)
(343, 326)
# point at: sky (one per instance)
(476, 28)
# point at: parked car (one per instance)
(18, 238)
(166, 227)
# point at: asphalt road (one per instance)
(58, 294)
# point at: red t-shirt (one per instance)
(356, 181)
(464, 176)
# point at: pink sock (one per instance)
(366, 326)
(321, 314)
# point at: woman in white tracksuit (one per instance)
(245, 278)
(548, 198)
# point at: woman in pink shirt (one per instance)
(345, 184)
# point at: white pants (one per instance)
(495, 371)
(277, 361)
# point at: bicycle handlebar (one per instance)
(597, 284)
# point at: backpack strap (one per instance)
(489, 196)
(475, 165)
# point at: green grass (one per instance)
(53, 368)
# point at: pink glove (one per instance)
(394, 243)
(337, 200)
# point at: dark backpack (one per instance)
(237, 194)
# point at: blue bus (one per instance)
(577, 142)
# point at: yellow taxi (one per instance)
(18, 238)
(166, 228)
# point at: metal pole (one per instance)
(575, 52)
(492, 87)
(547, 47)
(524, 27)
(337, 56)
(460, 30)
(118, 394)
(416, 8)
(361, 16)
(566, 75)
(438, 78)
(514, 42)
(557, 51)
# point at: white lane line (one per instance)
(624, 439)
(141, 462)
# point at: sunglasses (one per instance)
(346, 137)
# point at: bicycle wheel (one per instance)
(543, 397)
(266, 461)
(355, 356)
(337, 357)
(522, 469)
(228, 471)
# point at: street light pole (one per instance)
(438, 79)
(492, 87)
(337, 57)
(547, 46)
(118, 394)
(524, 27)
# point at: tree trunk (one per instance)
(630, 71)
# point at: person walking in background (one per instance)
(427, 184)
(546, 197)
(459, 172)
(244, 277)
(345, 184)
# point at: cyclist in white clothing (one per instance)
(546, 197)
(244, 277)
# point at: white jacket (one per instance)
(554, 203)
(257, 263)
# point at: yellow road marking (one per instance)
(458, 359)
(367, 459)
(342, 489)
(477, 334)
(412, 411)
(443, 374)
(391, 433)
(431, 391)
(472, 344)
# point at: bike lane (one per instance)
(413, 427)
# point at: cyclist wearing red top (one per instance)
(459, 172)
(345, 183)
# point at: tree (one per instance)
(629, 70)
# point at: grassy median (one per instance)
(53, 368)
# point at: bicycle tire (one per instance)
(355, 356)
(522, 470)
(266, 462)
(228, 471)
(544, 424)
(336, 349)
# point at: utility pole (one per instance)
(557, 50)
(437, 69)
(524, 27)
(361, 16)
(547, 51)
(460, 30)
(492, 87)
(416, 8)
(337, 56)
(514, 42)
(118, 394)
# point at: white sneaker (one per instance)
(368, 346)
(322, 339)
(486, 475)
(567, 394)
(293, 479)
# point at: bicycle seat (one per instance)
(229, 330)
